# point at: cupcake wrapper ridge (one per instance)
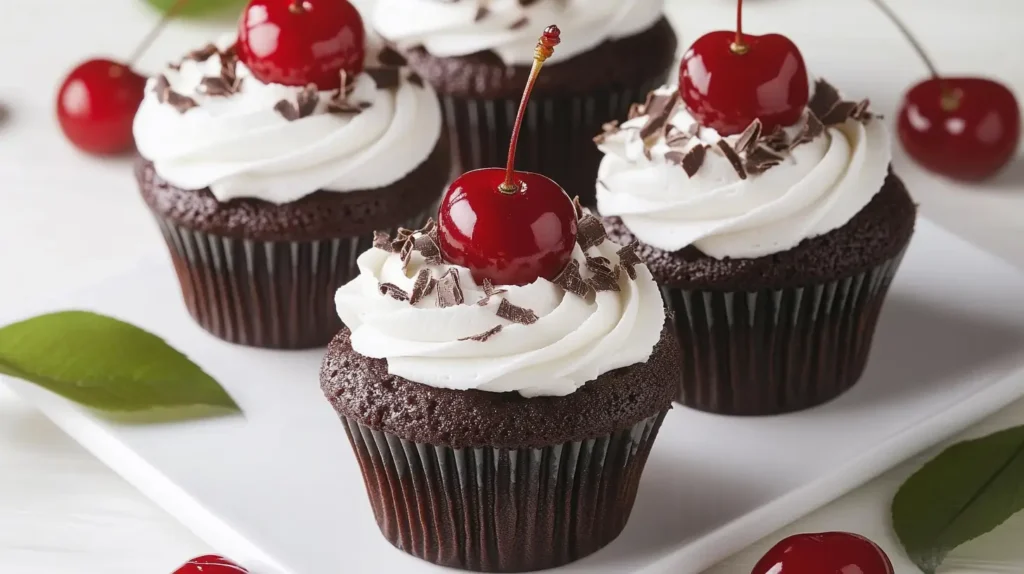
(556, 137)
(777, 351)
(502, 510)
(271, 294)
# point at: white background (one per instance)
(68, 220)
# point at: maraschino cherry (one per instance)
(302, 42)
(964, 128)
(97, 102)
(508, 226)
(729, 79)
(210, 564)
(825, 553)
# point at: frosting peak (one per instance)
(508, 27)
(208, 122)
(675, 183)
(437, 326)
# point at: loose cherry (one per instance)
(508, 226)
(825, 553)
(729, 79)
(97, 101)
(210, 564)
(302, 42)
(964, 128)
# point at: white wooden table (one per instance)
(67, 220)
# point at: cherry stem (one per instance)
(907, 36)
(297, 7)
(545, 48)
(155, 32)
(738, 45)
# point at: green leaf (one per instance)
(968, 490)
(200, 8)
(109, 365)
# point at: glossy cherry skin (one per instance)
(210, 564)
(511, 239)
(96, 106)
(726, 91)
(964, 128)
(302, 42)
(825, 553)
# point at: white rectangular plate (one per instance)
(280, 487)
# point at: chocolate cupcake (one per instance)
(478, 55)
(267, 193)
(775, 249)
(501, 428)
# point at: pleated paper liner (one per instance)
(502, 510)
(556, 138)
(271, 294)
(776, 351)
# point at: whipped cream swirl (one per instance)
(510, 28)
(568, 341)
(239, 145)
(816, 186)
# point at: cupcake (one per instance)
(502, 376)
(775, 247)
(266, 193)
(477, 55)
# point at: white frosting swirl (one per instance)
(819, 186)
(239, 146)
(574, 340)
(510, 29)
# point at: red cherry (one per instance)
(508, 226)
(302, 42)
(210, 564)
(825, 553)
(729, 79)
(96, 106)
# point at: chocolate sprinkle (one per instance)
(415, 79)
(393, 291)
(203, 54)
(516, 314)
(825, 98)
(391, 57)
(489, 291)
(449, 289)
(422, 287)
(571, 280)
(386, 78)
(381, 240)
(519, 23)
(733, 157)
(628, 259)
(748, 139)
(482, 337)
(590, 232)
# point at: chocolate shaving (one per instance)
(692, 160)
(525, 3)
(203, 54)
(603, 276)
(628, 259)
(422, 287)
(590, 232)
(761, 160)
(162, 87)
(339, 103)
(216, 87)
(489, 291)
(571, 280)
(481, 13)
(176, 66)
(811, 129)
(516, 314)
(306, 102)
(393, 291)
(406, 254)
(607, 129)
(675, 137)
(777, 140)
(415, 79)
(391, 57)
(839, 113)
(659, 108)
(427, 246)
(482, 337)
(449, 289)
(860, 111)
(733, 157)
(519, 23)
(180, 102)
(386, 78)
(635, 111)
(578, 206)
(381, 240)
(748, 139)
(825, 98)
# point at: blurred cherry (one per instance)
(825, 553)
(210, 564)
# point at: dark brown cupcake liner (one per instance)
(556, 138)
(502, 510)
(776, 351)
(271, 294)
